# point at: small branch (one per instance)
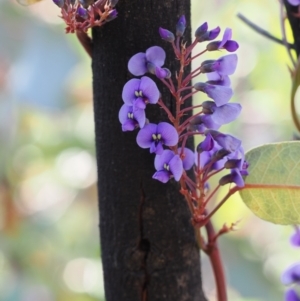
(85, 41)
(263, 32)
(213, 253)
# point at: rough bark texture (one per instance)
(294, 20)
(148, 245)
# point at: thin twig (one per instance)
(263, 32)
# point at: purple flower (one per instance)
(203, 35)
(154, 136)
(168, 165)
(206, 145)
(180, 26)
(201, 30)
(291, 275)
(82, 12)
(295, 238)
(220, 94)
(225, 65)
(226, 113)
(294, 2)
(226, 43)
(162, 72)
(226, 141)
(59, 3)
(187, 157)
(166, 35)
(142, 62)
(130, 119)
(215, 78)
(139, 92)
(291, 295)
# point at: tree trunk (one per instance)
(148, 244)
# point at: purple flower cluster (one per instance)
(80, 15)
(217, 151)
(292, 274)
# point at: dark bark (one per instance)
(294, 20)
(148, 244)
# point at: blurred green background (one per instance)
(49, 245)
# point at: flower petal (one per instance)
(162, 159)
(140, 117)
(187, 157)
(295, 238)
(226, 65)
(291, 275)
(168, 133)
(137, 65)
(149, 89)
(226, 36)
(226, 113)
(291, 295)
(156, 55)
(176, 167)
(139, 103)
(162, 176)
(128, 93)
(220, 94)
(144, 136)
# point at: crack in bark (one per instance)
(144, 247)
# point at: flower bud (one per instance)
(201, 30)
(180, 26)
(209, 35)
(59, 3)
(206, 145)
(112, 15)
(86, 3)
(162, 72)
(166, 35)
(82, 12)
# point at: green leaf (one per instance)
(272, 189)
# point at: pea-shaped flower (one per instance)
(131, 119)
(139, 92)
(153, 136)
(142, 62)
(168, 165)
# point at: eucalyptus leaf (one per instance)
(272, 189)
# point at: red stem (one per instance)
(214, 255)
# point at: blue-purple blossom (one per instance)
(226, 113)
(168, 165)
(131, 119)
(291, 275)
(206, 145)
(166, 35)
(180, 26)
(187, 156)
(294, 2)
(225, 65)
(142, 62)
(295, 238)
(226, 141)
(215, 78)
(220, 94)
(162, 72)
(82, 12)
(203, 35)
(201, 30)
(154, 136)
(139, 92)
(59, 3)
(291, 295)
(226, 43)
